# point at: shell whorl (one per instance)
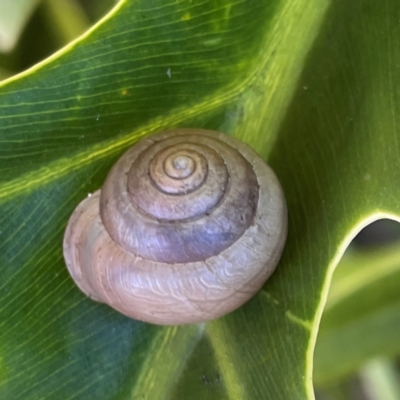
(187, 227)
(191, 217)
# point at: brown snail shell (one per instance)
(187, 227)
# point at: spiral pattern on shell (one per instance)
(187, 227)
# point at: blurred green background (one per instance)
(31, 30)
(356, 358)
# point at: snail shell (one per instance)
(188, 226)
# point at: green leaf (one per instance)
(13, 17)
(362, 314)
(310, 84)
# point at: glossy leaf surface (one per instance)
(310, 84)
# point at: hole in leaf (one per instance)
(379, 233)
(360, 327)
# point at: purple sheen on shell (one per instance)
(187, 227)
